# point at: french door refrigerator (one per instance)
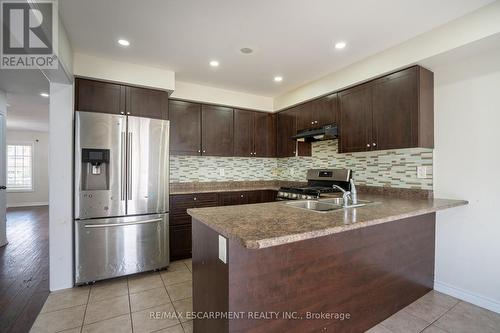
(121, 195)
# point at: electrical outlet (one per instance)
(421, 172)
(222, 172)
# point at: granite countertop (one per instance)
(270, 224)
(218, 190)
(228, 186)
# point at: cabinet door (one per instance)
(180, 242)
(185, 128)
(179, 204)
(251, 197)
(286, 129)
(206, 200)
(217, 130)
(324, 110)
(244, 133)
(265, 135)
(95, 96)
(304, 116)
(230, 198)
(395, 110)
(147, 103)
(269, 195)
(356, 119)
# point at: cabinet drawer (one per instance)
(180, 203)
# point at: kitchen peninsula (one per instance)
(360, 265)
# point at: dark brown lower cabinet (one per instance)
(180, 241)
(180, 221)
(368, 273)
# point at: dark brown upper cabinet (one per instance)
(316, 113)
(244, 133)
(403, 110)
(146, 103)
(286, 146)
(96, 96)
(265, 134)
(217, 130)
(325, 110)
(105, 97)
(392, 112)
(287, 127)
(185, 128)
(356, 119)
(254, 134)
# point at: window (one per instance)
(20, 167)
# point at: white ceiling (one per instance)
(291, 38)
(27, 110)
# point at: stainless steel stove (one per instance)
(319, 181)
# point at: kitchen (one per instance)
(336, 199)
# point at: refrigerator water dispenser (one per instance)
(95, 164)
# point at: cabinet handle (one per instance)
(241, 196)
(195, 198)
(199, 151)
(122, 112)
(255, 154)
(374, 144)
(128, 112)
(368, 145)
(204, 151)
(312, 122)
(316, 122)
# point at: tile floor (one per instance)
(124, 305)
(440, 313)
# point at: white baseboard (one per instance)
(465, 295)
(27, 204)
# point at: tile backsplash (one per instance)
(394, 168)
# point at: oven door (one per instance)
(107, 248)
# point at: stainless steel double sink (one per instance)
(325, 205)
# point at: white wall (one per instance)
(467, 166)
(201, 93)
(118, 71)
(40, 193)
(61, 186)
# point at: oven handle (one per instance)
(121, 224)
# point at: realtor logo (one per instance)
(29, 34)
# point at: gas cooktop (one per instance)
(318, 181)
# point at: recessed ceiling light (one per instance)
(214, 63)
(278, 78)
(44, 94)
(340, 45)
(246, 50)
(123, 42)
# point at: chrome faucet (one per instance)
(346, 195)
(354, 192)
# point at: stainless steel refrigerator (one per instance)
(121, 195)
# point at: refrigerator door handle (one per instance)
(129, 167)
(121, 224)
(123, 166)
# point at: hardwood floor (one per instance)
(24, 268)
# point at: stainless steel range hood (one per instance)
(327, 132)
